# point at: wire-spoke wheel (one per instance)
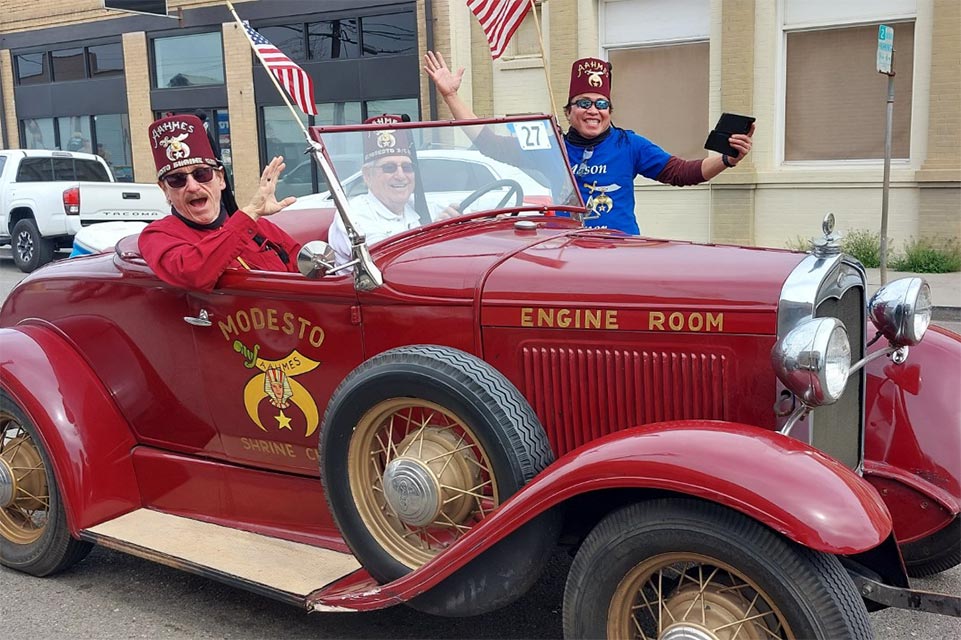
(419, 444)
(420, 478)
(33, 526)
(686, 569)
(24, 496)
(684, 595)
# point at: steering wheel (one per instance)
(513, 189)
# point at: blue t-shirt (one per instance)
(605, 175)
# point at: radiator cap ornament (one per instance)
(830, 244)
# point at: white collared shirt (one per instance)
(373, 219)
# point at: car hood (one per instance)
(564, 267)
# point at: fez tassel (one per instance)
(499, 19)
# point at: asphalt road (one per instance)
(111, 595)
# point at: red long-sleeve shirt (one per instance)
(196, 257)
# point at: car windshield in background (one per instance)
(510, 164)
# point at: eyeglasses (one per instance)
(602, 104)
(391, 167)
(179, 180)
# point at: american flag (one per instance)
(294, 79)
(499, 19)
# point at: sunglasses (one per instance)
(179, 180)
(602, 104)
(391, 167)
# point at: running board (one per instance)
(280, 569)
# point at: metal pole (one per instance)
(886, 180)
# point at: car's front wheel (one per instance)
(33, 524)
(30, 249)
(421, 443)
(690, 569)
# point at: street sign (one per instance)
(885, 48)
(152, 7)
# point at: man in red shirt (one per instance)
(202, 239)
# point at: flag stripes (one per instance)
(499, 19)
(293, 79)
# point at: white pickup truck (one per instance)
(46, 197)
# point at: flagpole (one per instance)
(547, 73)
(366, 275)
(272, 77)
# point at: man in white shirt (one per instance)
(387, 208)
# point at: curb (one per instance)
(946, 314)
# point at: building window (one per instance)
(75, 133)
(835, 100)
(188, 61)
(389, 35)
(289, 38)
(672, 114)
(105, 60)
(525, 42)
(113, 144)
(283, 137)
(333, 40)
(329, 113)
(38, 133)
(32, 68)
(68, 64)
(399, 106)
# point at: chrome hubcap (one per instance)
(7, 485)
(687, 632)
(412, 491)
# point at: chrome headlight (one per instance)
(813, 360)
(901, 310)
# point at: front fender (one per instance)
(913, 435)
(85, 436)
(783, 483)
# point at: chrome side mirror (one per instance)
(316, 259)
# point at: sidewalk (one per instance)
(945, 290)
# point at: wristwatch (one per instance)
(727, 163)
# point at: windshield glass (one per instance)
(444, 170)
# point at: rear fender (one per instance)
(87, 440)
(912, 435)
(783, 483)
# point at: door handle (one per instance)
(202, 319)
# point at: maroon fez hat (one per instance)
(590, 75)
(384, 142)
(179, 141)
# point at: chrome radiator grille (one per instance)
(838, 428)
(583, 393)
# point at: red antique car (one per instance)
(733, 441)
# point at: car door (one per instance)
(273, 347)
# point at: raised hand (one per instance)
(446, 81)
(264, 201)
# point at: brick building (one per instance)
(84, 76)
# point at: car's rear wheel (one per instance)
(418, 445)
(30, 249)
(689, 569)
(33, 525)
(935, 553)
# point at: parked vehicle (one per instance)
(428, 422)
(46, 197)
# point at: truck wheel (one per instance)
(938, 552)
(33, 525)
(417, 446)
(690, 569)
(30, 249)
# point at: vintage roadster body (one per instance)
(702, 425)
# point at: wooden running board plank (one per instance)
(281, 565)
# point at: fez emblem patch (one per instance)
(176, 147)
(386, 139)
(595, 70)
